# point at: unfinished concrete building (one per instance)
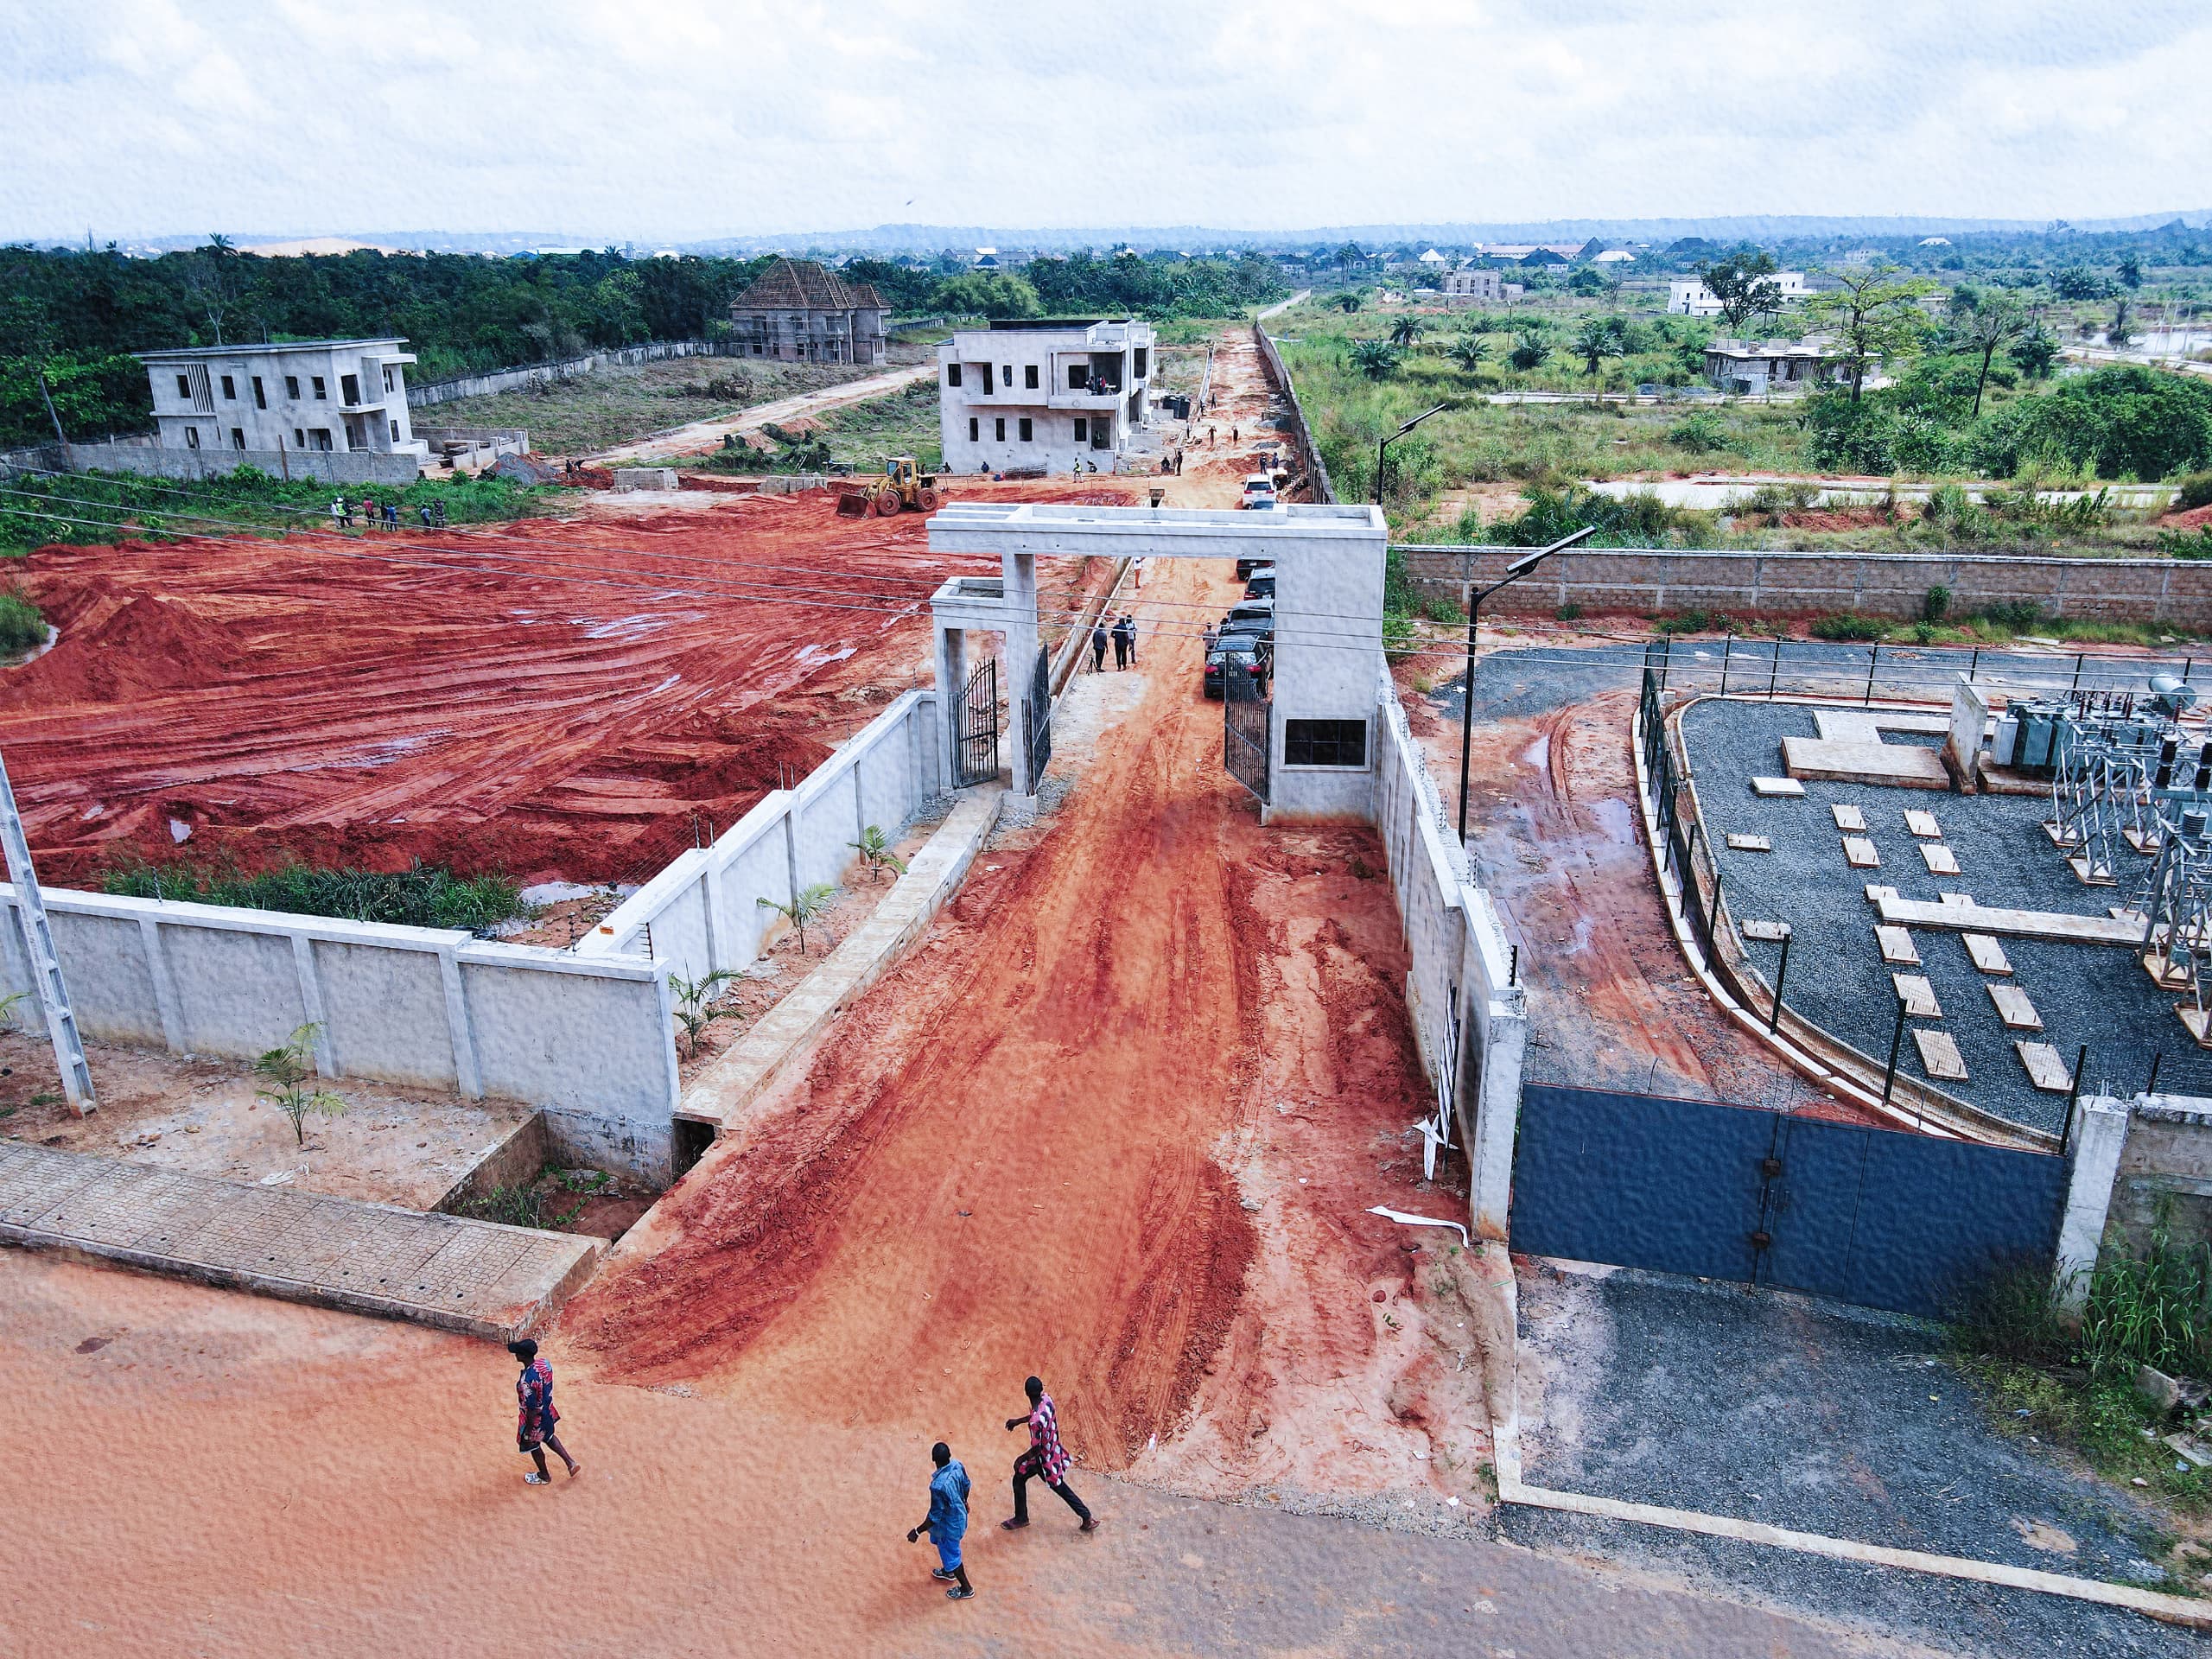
(806, 313)
(1052, 395)
(316, 396)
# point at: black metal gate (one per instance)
(1037, 717)
(1245, 722)
(976, 725)
(1875, 1216)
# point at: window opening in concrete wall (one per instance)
(1009, 377)
(298, 439)
(292, 387)
(184, 387)
(1082, 429)
(1001, 424)
(1140, 361)
(952, 374)
(321, 396)
(388, 385)
(1325, 743)
(395, 431)
(1078, 376)
(238, 437)
(350, 385)
(230, 389)
(321, 436)
(1026, 431)
(1102, 434)
(974, 429)
(192, 437)
(260, 396)
(987, 380)
(1029, 376)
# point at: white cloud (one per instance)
(682, 119)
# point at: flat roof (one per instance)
(1052, 322)
(266, 346)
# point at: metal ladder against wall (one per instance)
(45, 967)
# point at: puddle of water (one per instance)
(1538, 753)
(1617, 818)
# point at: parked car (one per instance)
(1262, 584)
(1245, 568)
(1239, 654)
(1254, 616)
(1259, 491)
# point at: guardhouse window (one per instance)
(1325, 743)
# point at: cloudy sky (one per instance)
(666, 119)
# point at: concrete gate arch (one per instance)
(1328, 648)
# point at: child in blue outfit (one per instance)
(947, 1521)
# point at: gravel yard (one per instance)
(2097, 994)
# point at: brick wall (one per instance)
(1889, 585)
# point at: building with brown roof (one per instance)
(805, 313)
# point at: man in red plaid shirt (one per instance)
(1045, 1457)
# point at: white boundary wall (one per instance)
(1458, 950)
(703, 911)
(588, 1043)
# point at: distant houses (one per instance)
(1755, 368)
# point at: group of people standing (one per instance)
(1123, 634)
(1046, 1459)
(433, 513)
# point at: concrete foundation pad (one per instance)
(2015, 924)
(475, 1277)
(1904, 765)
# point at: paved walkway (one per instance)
(475, 1277)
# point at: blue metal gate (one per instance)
(1874, 1216)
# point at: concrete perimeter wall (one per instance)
(1461, 961)
(1302, 435)
(703, 911)
(1889, 585)
(588, 1043)
(540, 374)
(152, 461)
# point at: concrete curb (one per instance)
(1502, 1385)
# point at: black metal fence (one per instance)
(1677, 831)
(1037, 717)
(1246, 725)
(976, 722)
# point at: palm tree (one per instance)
(1532, 348)
(1597, 339)
(807, 904)
(1408, 330)
(874, 846)
(1469, 351)
(1376, 358)
(1995, 322)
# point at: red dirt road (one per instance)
(545, 698)
(1115, 1123)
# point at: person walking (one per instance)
(1210, 636)
(1233, 437)
(423, 513)
(1098, 646)
(368, 512)
(337, 511)
(392, 514)
(534, 1415)
(1209, 437)
(1121, 645)
(438, 514)
(1128, 629)
(947, 1521)
(1045, 1458)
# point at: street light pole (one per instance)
(1520, 568)
(1392, 439)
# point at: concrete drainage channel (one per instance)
(1498, 1302)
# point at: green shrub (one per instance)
(2195, 492)
(1844, 626)
(1569, 612)
(1936, 605)
(423, 895)
(22, 625)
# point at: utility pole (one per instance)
(59, 437)
(45, 967)
(1520, 568)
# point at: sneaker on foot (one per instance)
(958, 1594)
(1014, 1526)
(535, 1479)
(1089, 1524)
(942, 1576)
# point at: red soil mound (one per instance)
(544, 698)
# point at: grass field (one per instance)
(615, 405)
